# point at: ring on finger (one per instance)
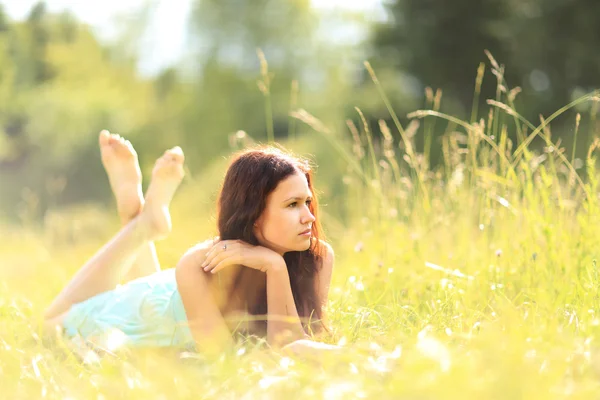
(224, 247)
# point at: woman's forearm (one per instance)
(283, 323)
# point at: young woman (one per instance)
(267, 273)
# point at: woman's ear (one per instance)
(258, 223)
(257, 230)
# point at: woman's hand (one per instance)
(237, 252)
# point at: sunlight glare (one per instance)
(269, 381)
(115, 339)
(434, 350)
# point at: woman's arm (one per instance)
(311, 348)
(206, 323)
(283, 323)
(323, 280)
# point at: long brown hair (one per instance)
(252, 175)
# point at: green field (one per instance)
(477, 279)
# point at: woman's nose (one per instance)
(308, 217)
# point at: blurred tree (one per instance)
(230, 31)
(225, 36)
(38, 32)
(58, 88)
(4, 23)
(554, 47)
(441, 43)
(548, 46)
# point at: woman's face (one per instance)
(286, 218)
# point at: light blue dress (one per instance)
(146, 312)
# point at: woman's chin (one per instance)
(305, 246)
(299, 246)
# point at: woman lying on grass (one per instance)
(267, 273)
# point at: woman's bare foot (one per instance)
(121, 164)
(166, 177)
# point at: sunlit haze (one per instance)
(163, 43)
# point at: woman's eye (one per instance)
(294, 204)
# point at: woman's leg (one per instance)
(121, 164)
(102, 271)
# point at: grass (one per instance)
(475, 280)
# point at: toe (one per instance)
(119, 143)
(113, 139)
(175, 154)
(104, 137)
(176, 149)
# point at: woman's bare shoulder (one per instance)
(327, 255)
(197, 253)
(328, 250)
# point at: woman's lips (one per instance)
(305, 233)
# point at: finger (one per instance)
(231, 260)
(215, 258)
(214, 250)
(221, 265)
(207, 258)
(223, 254)
(209, 254)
